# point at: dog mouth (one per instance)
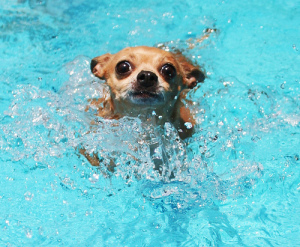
(146, 97)
(145, 94)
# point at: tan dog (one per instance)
(143, 80)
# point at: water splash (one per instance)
(225, 160)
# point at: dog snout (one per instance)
(147, 79)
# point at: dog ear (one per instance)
(98, 65)
(192, 74)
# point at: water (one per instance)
(236, 180)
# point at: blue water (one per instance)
(237, 179)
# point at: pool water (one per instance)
(237, 179)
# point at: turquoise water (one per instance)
(237, 179)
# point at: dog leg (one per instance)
(95, 161)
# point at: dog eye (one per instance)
(123, 67)
(168, 71)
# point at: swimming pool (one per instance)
(238, 177)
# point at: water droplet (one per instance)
(188, 125)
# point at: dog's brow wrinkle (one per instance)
(132, 56)
(162, 59)
(167, 59)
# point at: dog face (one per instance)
(145, 77)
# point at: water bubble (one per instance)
(87, 213)
(41, 230)
(28, 196)
(28, 232)
(94, 178)
(295, 47)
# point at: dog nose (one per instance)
(93, 64)
(147, 79)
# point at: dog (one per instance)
(148, 82)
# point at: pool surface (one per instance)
(237, 179)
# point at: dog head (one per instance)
(146, 77)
